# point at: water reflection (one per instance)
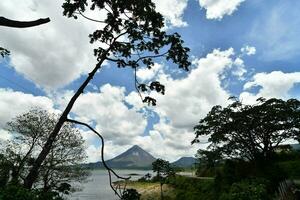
(97, 186)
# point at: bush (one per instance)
(291, 168)
(253, 189)
(16, 192)
(130, 194)
(192, 188)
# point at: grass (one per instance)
(151, 191)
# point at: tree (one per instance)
(250, 132)
(131, 35)
(163, 171)
(131, 194)
(29, 132)
(4, 171)
(207, 161)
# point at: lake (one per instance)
(97, 186)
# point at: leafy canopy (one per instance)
(250, 131)
(131, 35)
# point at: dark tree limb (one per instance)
(22, 24)
(110, 170)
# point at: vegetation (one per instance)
(246, 154)
(163, 171)
(28, 133)
(251, 132)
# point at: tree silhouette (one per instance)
(250, 132)
(62, 165)
(163, 171)
(131, 35)
(22, 24)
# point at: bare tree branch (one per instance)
(22, 24)
(110, 170)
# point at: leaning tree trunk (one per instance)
(34, 171)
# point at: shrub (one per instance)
(251, 189)
(16, 192)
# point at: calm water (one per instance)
(97, 187)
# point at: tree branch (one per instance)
(22, 24)
(110, 170)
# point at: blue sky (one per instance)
(245, 48)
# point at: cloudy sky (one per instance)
(245, 48)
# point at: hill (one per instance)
(185, 162)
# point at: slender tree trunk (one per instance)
(34, 171)
(161, 192)
(21, 24)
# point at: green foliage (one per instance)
(142, 27)
(130, 194)
(16, 192)
(29, 132)
(192, 188)
(208, 161)
(146, 178)
(291, 168)
(251, 132)
(253, 189)
(4, 171)
(235, 171)
(163, 169)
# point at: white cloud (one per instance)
(239, 68)
(113, 119)
(54, 54)
(51, 55)
(275, 84)
(110, 151)
(14, 103)
(4, 136)
(186, 101)
(248, 50)
(217, 9)
(194, 95)
(168, 142)
(172, 10)
(145, 74)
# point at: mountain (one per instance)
(185, 162)
(295, 146)
(133, 158)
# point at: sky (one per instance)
(243, 48)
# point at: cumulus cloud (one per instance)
(194, 95)
(186, 101)
(13, 103)
(54, 54)
(172, 10)
(217, 9)
(145, 74)
(51, 55)
(114, 120)
(275, 84)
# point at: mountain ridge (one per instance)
(137, 158)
